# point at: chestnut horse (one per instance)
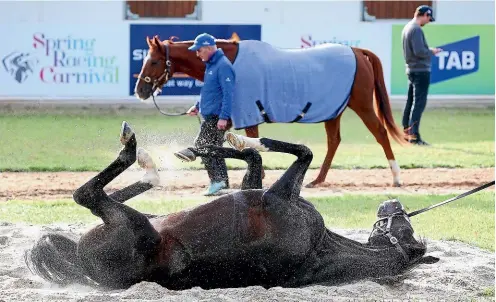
(266, 237)
(168, 57)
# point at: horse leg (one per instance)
(118, 253)
(253, 132)
(148, 181)
(333, 139)
(372, 122)
(288, 186)
(253, 175)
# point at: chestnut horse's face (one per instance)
(156, 69)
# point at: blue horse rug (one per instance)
(309, 85)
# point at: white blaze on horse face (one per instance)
(145, 59)
(396, 171)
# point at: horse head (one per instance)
(158, 67)
(165, 58)
(393, 227)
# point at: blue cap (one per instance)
(425, 9)
(202, 40)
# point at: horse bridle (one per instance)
(383, 227)
(166, 74)
(157, 88)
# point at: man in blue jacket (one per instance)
(215, 107)
(417, 56)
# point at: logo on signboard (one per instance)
(61, 60)
(308, 41)
(457, 59)
(19, 65)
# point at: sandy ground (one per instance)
(463, 273)
(191, 183)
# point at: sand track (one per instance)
(191, 183)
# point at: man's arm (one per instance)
(419, 46)
(226, 79)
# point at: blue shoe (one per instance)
(215, 187)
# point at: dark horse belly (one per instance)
(235, 241)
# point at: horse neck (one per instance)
(351, 260)
(188, 62)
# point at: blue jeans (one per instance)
(418, 88)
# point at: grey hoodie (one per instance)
(415, 49)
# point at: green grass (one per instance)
(470, 220)
(88, 139)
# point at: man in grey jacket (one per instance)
(417, 56)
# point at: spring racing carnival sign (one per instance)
(180, 84)
(63, 60)
(464, 67)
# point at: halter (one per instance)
(383, 227)
(155, 88)
(167, 74)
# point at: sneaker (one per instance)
(215, 187)
(419, 142)
(185, 155)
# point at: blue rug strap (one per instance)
(303, 112)
(262, 111)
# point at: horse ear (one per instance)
(148, 41)
(157, 41)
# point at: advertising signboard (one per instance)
(63, 60)
(465, 67)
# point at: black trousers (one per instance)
(210, 135)
(418, 88)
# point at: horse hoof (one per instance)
(145, 161)
(311, 185)
(235, 141)
(185, 155)
(126, 133)
(397, 184)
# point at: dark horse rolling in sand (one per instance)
(267, 237)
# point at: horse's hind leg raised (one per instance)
(253, 175)
(288, 186)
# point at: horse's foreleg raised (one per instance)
(333, 139)
(149, 180)
(253, 132)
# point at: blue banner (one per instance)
(180, 85)
(457, 59)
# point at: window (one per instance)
(387, 10)
(162, 9)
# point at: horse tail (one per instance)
(54, 258)
(383, 105)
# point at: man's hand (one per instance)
(192, 111)
(222, 124)
(436, 50)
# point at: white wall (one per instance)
(330, 13)
(464, 12)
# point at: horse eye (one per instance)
(154, 63)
